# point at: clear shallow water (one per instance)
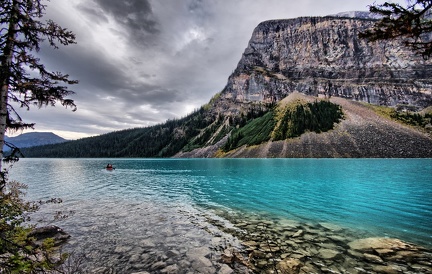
(149, 210)
(388, 197)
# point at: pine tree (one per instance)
(24, 79)
(413, 24)
(25, 82)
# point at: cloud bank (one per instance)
(141, 62)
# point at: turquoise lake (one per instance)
(383, 197)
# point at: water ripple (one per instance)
(386, 196)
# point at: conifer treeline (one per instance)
(200, 129)
(161, 140)
(288, 122)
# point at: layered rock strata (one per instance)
(323, 56)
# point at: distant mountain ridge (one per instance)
(34, 139)
(310, 59)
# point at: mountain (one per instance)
(364, 132)
(323, 56)
(304, 87)
(34, 139)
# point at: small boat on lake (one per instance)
(110, 167)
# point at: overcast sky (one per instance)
(141, 62)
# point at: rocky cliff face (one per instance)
(323, 56)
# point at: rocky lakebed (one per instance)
(284, 246)
(224, 242)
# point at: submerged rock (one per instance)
(373, 258)
(225, 269)
(56, 233)
(389, 269)
(227, 257)
(298, 233)
(322, 248)
(329, 254)
(331, 227)
(372, 244)
(289, 266)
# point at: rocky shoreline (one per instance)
(283, 246)
(145, 238)
(241, 243)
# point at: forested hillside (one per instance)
(299, 126)
(161, 140)
(286, 122)
(200, 129)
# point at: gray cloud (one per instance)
(135, 16)
(141, 62)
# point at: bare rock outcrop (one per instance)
(323, 56)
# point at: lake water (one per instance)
(166, 208)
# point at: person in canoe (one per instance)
(109, 167)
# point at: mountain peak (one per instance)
(30, 139)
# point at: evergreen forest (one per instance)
(200, 129)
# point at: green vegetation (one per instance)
(299, 117)
(205, 136)
(384, 111)
(222, 133)
(254, 132)
(209, 105)
(413, 118)
(202, 128)
(19, 251)
(420, 120)
(411, 24)
(163, 140)
(286, 122)
(26, 83)
(196, 130)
